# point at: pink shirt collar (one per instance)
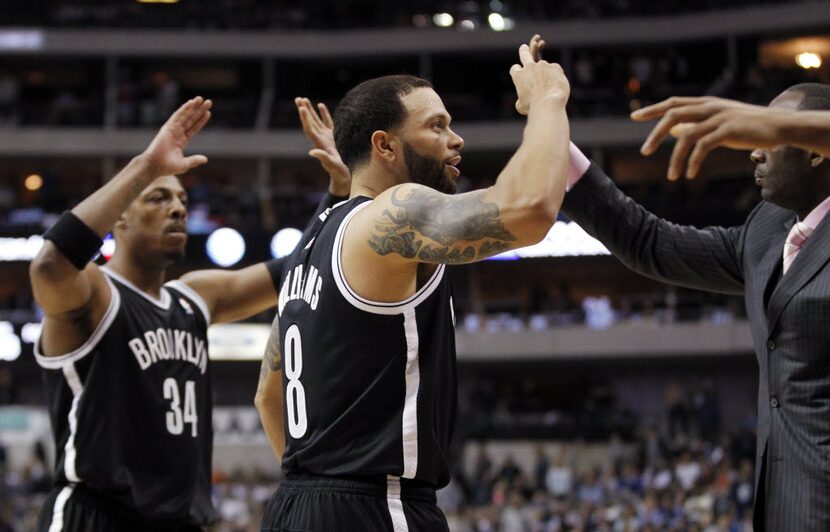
(817, 215)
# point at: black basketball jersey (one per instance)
(370, 388)
(131, 408)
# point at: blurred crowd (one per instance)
(679, 484)
(653, 484)
(686, 475)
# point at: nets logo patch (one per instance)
(185, 305)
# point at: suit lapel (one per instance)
(770, 264)
(812, 257)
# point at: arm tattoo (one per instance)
(273, 354)
(466, 227)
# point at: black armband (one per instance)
(275, 268)
(75, 240)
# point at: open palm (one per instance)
(319, 128)
(166, 151)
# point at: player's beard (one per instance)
(428, 171)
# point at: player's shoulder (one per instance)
(408, 192)
(184, 293)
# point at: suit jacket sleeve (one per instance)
(705, 259)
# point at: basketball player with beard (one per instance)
(365, 311)
(125, 354)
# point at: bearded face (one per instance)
(429, 171)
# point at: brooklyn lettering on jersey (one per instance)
(298, 286)
(169, 344)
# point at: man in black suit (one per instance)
(787, 293)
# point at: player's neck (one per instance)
(371, 181)
(148, 280)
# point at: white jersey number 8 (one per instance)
(294, 393)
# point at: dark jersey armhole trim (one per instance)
(375, 307)
(60, 361)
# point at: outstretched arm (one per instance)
(74, 294)
(702, 124)
(269, 399)
(704, 259)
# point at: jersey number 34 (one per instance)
(175, 417)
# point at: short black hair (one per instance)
(370, 106)
(816, 96)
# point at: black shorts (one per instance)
(78, 509)
(309, 503)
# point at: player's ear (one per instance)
(121, 224)
(384, 145)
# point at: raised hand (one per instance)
(319, 128)
(702, 124)
(165, 154)
(535, 78)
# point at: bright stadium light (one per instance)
(496, 21)
(565, 239)
(9, 342)
(21, 40)
(808, 60)
(285, 241)
(30, 333)
(499, 22)
(33, 182)
(19, 248)
(443, 20)
(467, 25)
(225, 247)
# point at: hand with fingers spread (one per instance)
(165, 154)
(319, 128)
(705, 123)
(536, 79)
(702, 124)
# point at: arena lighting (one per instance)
(238, 341)
(225, 247)
(21, 40)
(467, 25)
(808, 60)
(498, 22)
(19, 249)
(284, 242)
(33, 182)
(563, 240)
(495, 21)
(443, 20)
(30, 333)
(9, 342)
